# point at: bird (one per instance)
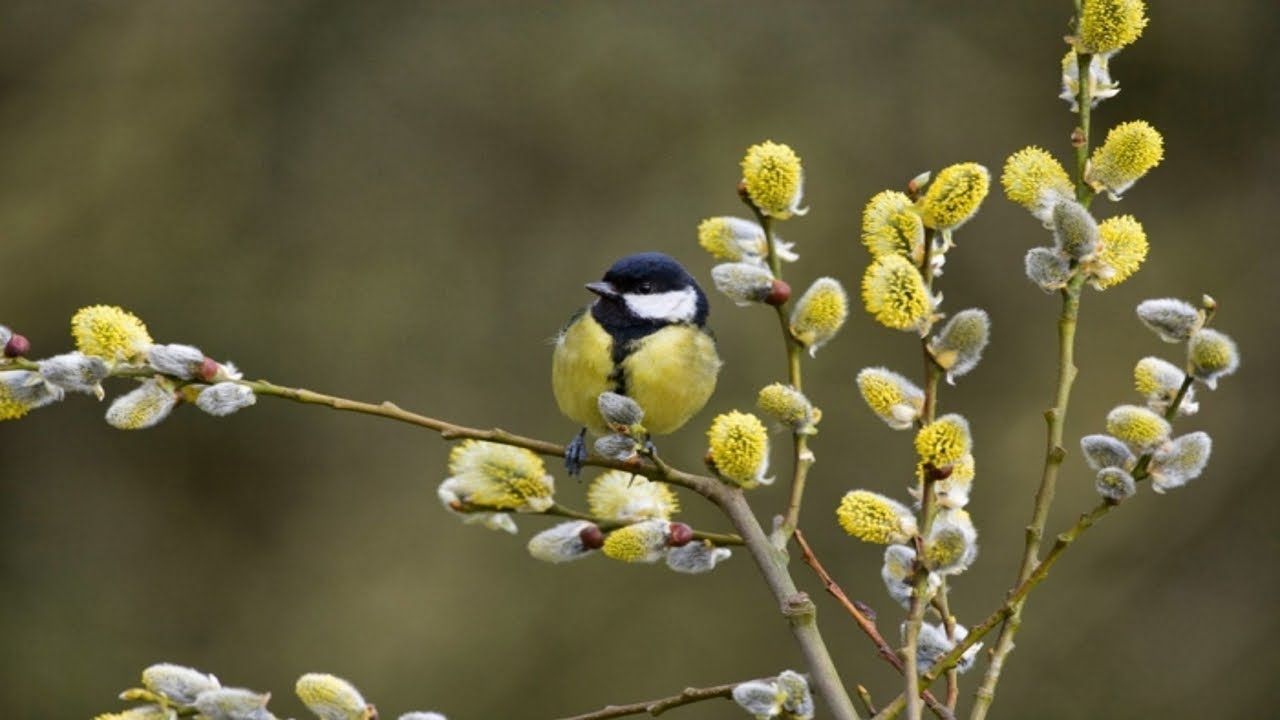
(644, 336)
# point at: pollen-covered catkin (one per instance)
(872, 517)
(774, 179)
(954, 195)
(894, 292)
(1033, 179)
(819, 314)
(739, 449)
(1129, 152)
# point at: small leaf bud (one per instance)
(17, 346)
(679, 534)
(779, 293)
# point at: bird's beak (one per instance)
(603, 289)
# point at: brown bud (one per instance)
(208, 369)
(742, 193)
(779, 293)
(934, 474)
(681, 534)
(1078, 138)
(592, 537)
(17, 346)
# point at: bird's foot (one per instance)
(575, 454)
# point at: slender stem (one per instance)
(865, 623)
(802, 457)
(919, 603)
(688, 696)
(795, 605)
(1056, 417)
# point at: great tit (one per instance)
(644, 336)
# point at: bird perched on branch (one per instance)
(644, 337)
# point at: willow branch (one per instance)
(795, 606)
(1063, 541)
(864, 622)
(688, 696)
(605, 524)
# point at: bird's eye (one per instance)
(645, 288)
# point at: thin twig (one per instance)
(688, 696)
(1041, 571)
(865, 623)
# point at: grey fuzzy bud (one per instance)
(75, 372)
(696, 557)
(225, 398)
(619, 409)
(1172, 319)
(958, 348)
(1047, 268)
(1104, 451)
(180, 684)
(616, 447)
(561, 543)
(180, 361)
(760, 698)
(144, 407)
(933, 643)
(5, 334)
(799, 701)
(29, 389)
(1075, 232)
(744, 283)
(234, 704)
(1212, 355)
(1115, 484)
(1180, 461)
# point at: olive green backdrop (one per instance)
(403, 200)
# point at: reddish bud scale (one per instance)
(592, 537)
(779, 293)
(208, 370)
(681, 535)
(18, 346)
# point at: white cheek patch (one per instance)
(673, 306)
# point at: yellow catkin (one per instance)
(1108, 25)
(944, 441)
(954, 195)
(110, 333)
(773, 177)
(891, 225)
(739, 447)
(1121, 250)
(893, 291)
(1032, 176)
(874, 518)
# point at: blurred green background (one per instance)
(402, 201)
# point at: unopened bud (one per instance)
(917, 183)
(208, 369)
(679, 534)
(592, 537)
(619, 410)
(779, 293)
(17, 346)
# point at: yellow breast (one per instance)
(672, 374)
(580, 370)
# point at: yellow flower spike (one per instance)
(739, 449)
(1108, 25)
(954, 195)
(733, 239)
(1159, 381)
(1139, 428)
(874, 518)
(1122, 247)
(893, 291)
(1130, 150)
(110, 333)
(891, 396)
(819, 314)
(624, 497)
(944, 441)
(1033, 179)
(642, 542)
(789, 407)
(500, 476)
(892, 225)
(332, 698)
(774, 179)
